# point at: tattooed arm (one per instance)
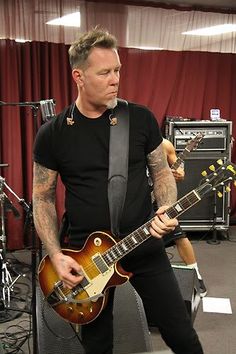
(164, 186)
(44, 210)
(165, 191)
(45, 220)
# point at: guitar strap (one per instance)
(118, 163)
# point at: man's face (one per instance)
(100, 80)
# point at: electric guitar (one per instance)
(100, 257)
(191, 145)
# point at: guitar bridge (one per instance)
(57, 295)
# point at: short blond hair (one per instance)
(95, 38)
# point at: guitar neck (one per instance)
(137, 237)
(180, 159)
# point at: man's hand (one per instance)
(178, 174)
(68, 270)
(161, 224)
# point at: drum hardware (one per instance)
(7, 280)
(47, 112)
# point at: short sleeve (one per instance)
(155, 135)
(43, 150)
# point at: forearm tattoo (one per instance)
(44, 210)
(164, 185)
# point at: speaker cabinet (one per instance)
(131, 333)
(209, 211)
(189, 287)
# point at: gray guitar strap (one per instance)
(118, 163)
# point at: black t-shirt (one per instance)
(80, 153)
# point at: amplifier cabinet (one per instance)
(216, 144)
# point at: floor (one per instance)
(217, 263)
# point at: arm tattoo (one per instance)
(164, 185)
(44, 210)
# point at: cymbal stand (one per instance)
(29, 218)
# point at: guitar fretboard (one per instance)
(133, 240)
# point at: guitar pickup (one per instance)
(100, 263)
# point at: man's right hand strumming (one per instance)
(68, 270)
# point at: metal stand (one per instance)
(214, 240)
(48, 112)
(7, 282)
(29, 220)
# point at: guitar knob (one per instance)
(81, 315)
(70, 309)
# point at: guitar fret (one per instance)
(134, 239)
(123, 245)
(127, 244)
(183, 204)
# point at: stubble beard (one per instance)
(112, 103)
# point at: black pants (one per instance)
(163, 305)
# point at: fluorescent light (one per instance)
(147, 48)
(22, 40)
(212, 31)
(71, 20)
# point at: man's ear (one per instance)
(78, 75)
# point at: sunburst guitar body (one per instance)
(83, 303)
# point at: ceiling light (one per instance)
(71, 20)
(22, 40)
(147, 48)
(212, 31)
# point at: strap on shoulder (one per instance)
(118, 164)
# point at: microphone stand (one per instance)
(214, 240)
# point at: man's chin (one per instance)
(112, 103)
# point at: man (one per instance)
(183, 244)
(76, 146)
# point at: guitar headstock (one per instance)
(223, 175)
(194, 142)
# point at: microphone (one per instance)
(21, 104)
(48, 109)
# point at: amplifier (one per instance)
(217, 135)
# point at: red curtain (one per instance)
(186, 84)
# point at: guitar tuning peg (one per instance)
(220, 195)
(220, 162)
(204, 173)
(235, 183)
(228, 189)
(212, 168)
